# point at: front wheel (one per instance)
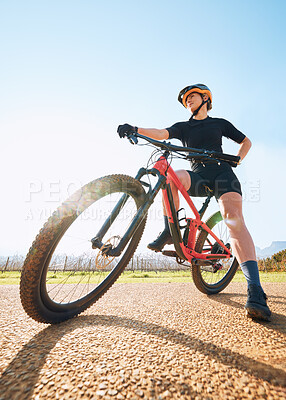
(212, 279)
(63, 274)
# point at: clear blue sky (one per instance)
(71, 71)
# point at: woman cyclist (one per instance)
(204, 132)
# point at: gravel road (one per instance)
(147, 341)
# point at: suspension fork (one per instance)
(137, 219)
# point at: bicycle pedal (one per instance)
(217, 267)
(169, 253)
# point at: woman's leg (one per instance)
(244, 250)
(231, 209)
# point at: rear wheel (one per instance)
(62, 274)
(211, 279)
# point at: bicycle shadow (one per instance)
(42, 344)
(278, 321)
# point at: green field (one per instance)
(13, 278)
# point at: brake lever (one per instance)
(132, 139)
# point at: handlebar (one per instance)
(194, 154)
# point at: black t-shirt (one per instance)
(204, 134)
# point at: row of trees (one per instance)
(276, 263)
(139, 262)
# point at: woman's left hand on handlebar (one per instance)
(126, 129)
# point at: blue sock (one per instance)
(250, 271)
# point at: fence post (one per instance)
(6, 265)
(65, 264)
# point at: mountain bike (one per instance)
(88, 241)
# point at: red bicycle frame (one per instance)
(195, 223)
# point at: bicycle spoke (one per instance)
(85, 268)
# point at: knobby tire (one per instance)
(33, 292)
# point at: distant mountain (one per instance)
(275, 247)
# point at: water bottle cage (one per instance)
(186, 233)
(217, 249)
(182, 219)
(189, 236)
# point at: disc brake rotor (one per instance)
(102, 260)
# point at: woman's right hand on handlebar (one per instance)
(126, 130)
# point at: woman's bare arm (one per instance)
(157, 134)
(245, 146)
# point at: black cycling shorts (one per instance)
(219, 180)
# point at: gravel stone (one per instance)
(100, 393)
(147, 341)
